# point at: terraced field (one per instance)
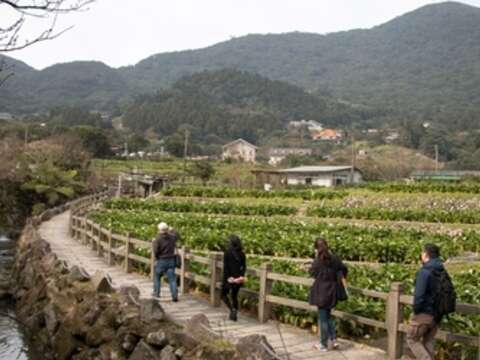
(387, 227)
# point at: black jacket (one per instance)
(234, 264)
(324, 290)
(425, 285)
(164, 245)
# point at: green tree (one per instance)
(203, 170)
(53, 184)
(137, 143)
(93, 139)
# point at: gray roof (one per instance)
(315, 169)
(459, 173)
(239, 140)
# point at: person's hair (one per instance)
(235, 243)
(432, 250)
(322, 249)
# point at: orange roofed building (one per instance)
(327, 134)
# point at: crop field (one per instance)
(385, 226)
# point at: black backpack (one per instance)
(445, 298)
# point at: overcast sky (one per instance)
(123, 32)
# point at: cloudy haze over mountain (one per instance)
(120, 35)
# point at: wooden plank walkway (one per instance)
(298, 343)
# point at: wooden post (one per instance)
(109, 254)
(183, 270)
(92, 238)
(215, 274)
(264, 308)
(99, 243)
(84, 233)
(127, 252)
(394, 317)
(152, 262)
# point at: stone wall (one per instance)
(74, 315)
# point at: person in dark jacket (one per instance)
(164, 247)
(326, 269)
(423, 326)
(234, 268)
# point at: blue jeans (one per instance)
(326, 324)
(163, 266)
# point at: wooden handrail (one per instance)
(90, 232)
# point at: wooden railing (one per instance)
(120, 249)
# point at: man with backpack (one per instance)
(434, 297)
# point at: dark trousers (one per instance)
(326, 323)
(232, 289)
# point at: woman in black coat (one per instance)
(234, 267)
(327, 270)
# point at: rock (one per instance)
(180, 352)
(179, 338)
(199, 327)
(101, 282)
(158, 339)
(62, 266)
(129, 295)
(255, 347)
(78, 273)
(49, 262)
(168, 353)
(99, 335)
(111, 352)
(4, 294)
(103, 331)
(64, 344)
(129, 342)
(143, 351)
(150, 309)
(52, 317)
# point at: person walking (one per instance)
(234, 268)
(164, 246)
(434, 297)
(329, 273)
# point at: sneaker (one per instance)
(233, 315)
(175, 299)
(320, 347)
(335, 345)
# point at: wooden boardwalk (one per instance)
(288, 342)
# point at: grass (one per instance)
(233, 174)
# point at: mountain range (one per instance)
(424, 64)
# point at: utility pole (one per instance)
(185, 152)
(352, 170)
(436, 158)
(26, 134)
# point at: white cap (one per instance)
(162, 227)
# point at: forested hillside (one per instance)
(231, 104)
(423, 65)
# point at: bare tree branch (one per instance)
(11, 35)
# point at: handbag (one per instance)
(178, 261)
(342, 294)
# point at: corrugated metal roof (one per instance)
(312, 169)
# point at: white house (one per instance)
(327, 176)
(276, 155)
(239, 150)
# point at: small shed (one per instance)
(327, 176)
(140, 184)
